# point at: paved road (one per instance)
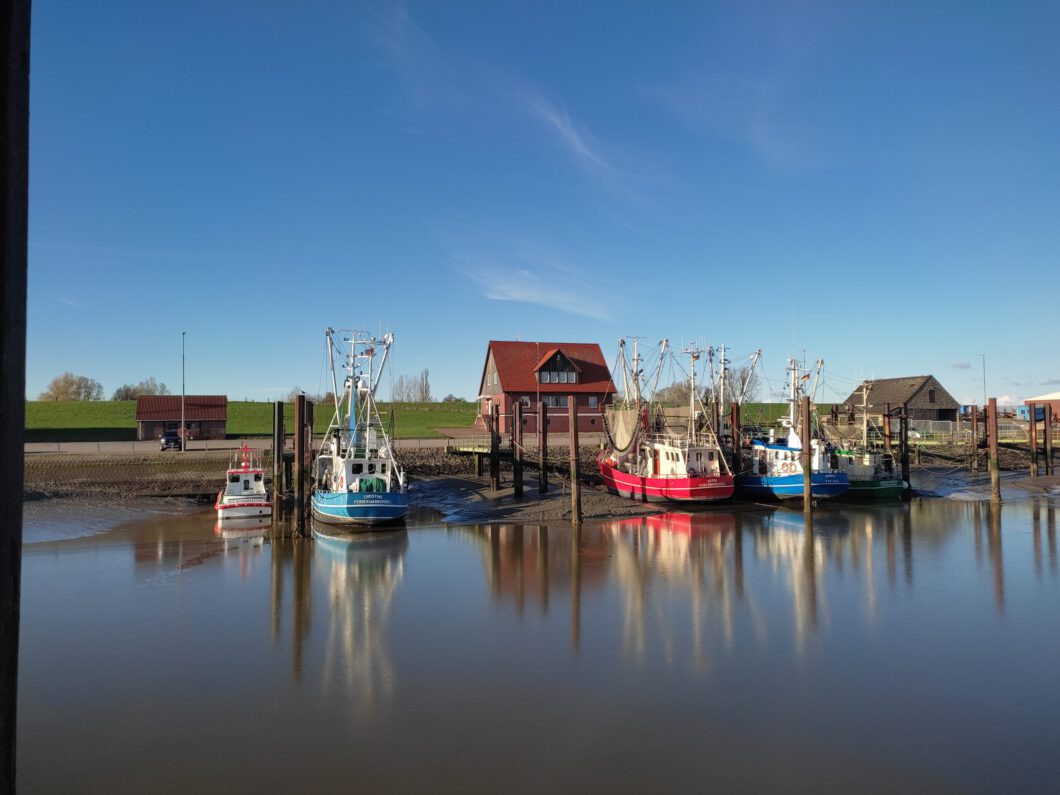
(257, 444)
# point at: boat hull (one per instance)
(666, 489)
(823, 485)
(884, 489)
(242, 508)
(359, 508)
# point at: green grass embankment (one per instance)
(115, 420)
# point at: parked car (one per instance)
(170, 440)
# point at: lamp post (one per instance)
(183, 437)
(983, 357)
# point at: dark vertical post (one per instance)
(517, 447)
(495, 447)
(975, 438)
(807, 461)
(887, 446)
(903, 441)
(1032, 438)
(14, 203)
(575, 486)
(737, 464)
(1047, 432)
(991, 435)
(277, 451)
(299, 464)
(542, 447)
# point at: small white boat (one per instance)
(244, 494)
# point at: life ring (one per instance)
(787, 466)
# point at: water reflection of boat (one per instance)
(243, 530)
(363, 572)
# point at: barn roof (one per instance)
(518, 362)
(1043, 398)
(897, 391)
(167, 407)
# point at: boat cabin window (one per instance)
(371, 468)
(357, 469)
(382, 469)
(233, 478)
(699, 456)
(710, 456)
(246, 484)
(257, 478)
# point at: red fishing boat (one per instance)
(658, 456)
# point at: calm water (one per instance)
(904, 648)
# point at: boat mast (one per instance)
(865, 414)
(636, 371)
(693, 354)
(793, 366)
(721, 389)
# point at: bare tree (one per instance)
(72, 387)
(412, 388)
(423, 387)
(146, 387)
(404, 390)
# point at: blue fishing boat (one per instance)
(775, 467)
(357, 479)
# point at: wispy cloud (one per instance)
(962, 365)
(1050, 382)
(66, 300)
(572, 137)
(531, 278)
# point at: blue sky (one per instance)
(875, 184)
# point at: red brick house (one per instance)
(531, 372)
(205, 416)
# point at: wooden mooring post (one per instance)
(903, 440)
(495, 447)
(1032, 438)
(887, 446)
(278, 439)
(517, 448)
(1047, 433)
(807, 461)
(542, 447)
(975, 438)
(299, 464)
(991, 435)
(575, 486)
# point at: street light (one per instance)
(183, 435)
(983, 357)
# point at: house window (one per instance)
(525, 400)
(593, 401)
(931, 396)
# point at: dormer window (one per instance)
(556, 368)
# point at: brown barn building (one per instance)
(531, 372)
(205, 416)
(925, 397)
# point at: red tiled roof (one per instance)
(167, 407)
(517, 363)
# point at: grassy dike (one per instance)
(115, 420)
